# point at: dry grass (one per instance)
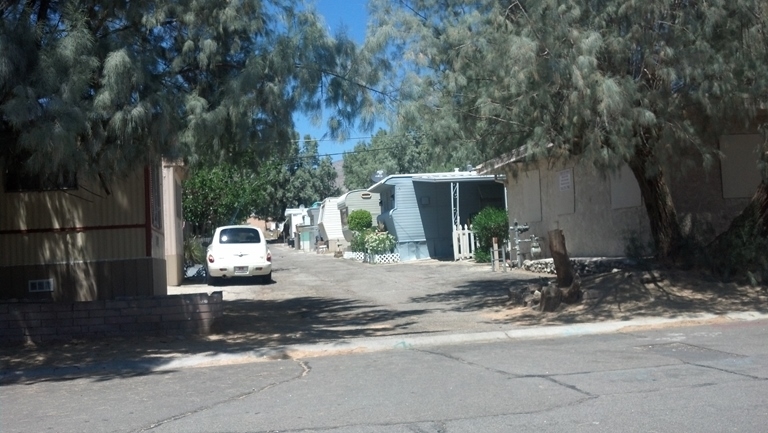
(634, 294)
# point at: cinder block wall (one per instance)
(45, 321)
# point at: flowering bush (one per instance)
(379, 242)
(358, 241)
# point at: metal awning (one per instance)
(453, 177)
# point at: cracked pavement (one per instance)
(710, 378)
(404, 349)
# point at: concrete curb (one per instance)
(400, 342)
(363, 345)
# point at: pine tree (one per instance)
(104, 86)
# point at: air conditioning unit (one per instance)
(39, 286)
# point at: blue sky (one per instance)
(353, 16)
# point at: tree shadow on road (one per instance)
(476, 295)
(245, 325)
(306, 320)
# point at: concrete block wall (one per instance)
(46, 321)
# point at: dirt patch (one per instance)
(632, 294)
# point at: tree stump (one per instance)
(550, 299)
(572, 294)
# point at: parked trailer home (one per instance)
(330, 223)
(357, 200)
(420, 210)
(294, 217)
(79, 238)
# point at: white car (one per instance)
(238, 251)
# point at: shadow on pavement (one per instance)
(245, 325)
(476, 295)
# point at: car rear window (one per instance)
(239, 236)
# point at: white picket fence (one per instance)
(464, 243)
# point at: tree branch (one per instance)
(335, 75)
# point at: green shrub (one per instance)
(359, 220)
(490, 223)
(482, 256)
(194, 252)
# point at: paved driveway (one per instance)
(313, 299)
(316, 297)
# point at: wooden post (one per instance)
(495, 253)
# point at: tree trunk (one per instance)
(563, 267)
(665, 227)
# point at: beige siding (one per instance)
(625, 192)
(590, 226)
(69, 247)
(87, 281)
(530, 196)
(608, 209)
(739, 173)
(87, 206)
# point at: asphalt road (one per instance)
(406, 348)
(691, 379)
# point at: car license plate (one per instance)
(241, 269)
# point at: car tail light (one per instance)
(210, 258)
(269, 257)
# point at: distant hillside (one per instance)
(339, 166)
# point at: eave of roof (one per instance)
(451, 176)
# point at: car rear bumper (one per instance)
(229, 271)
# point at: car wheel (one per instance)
(212, 281)
(266, 279)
